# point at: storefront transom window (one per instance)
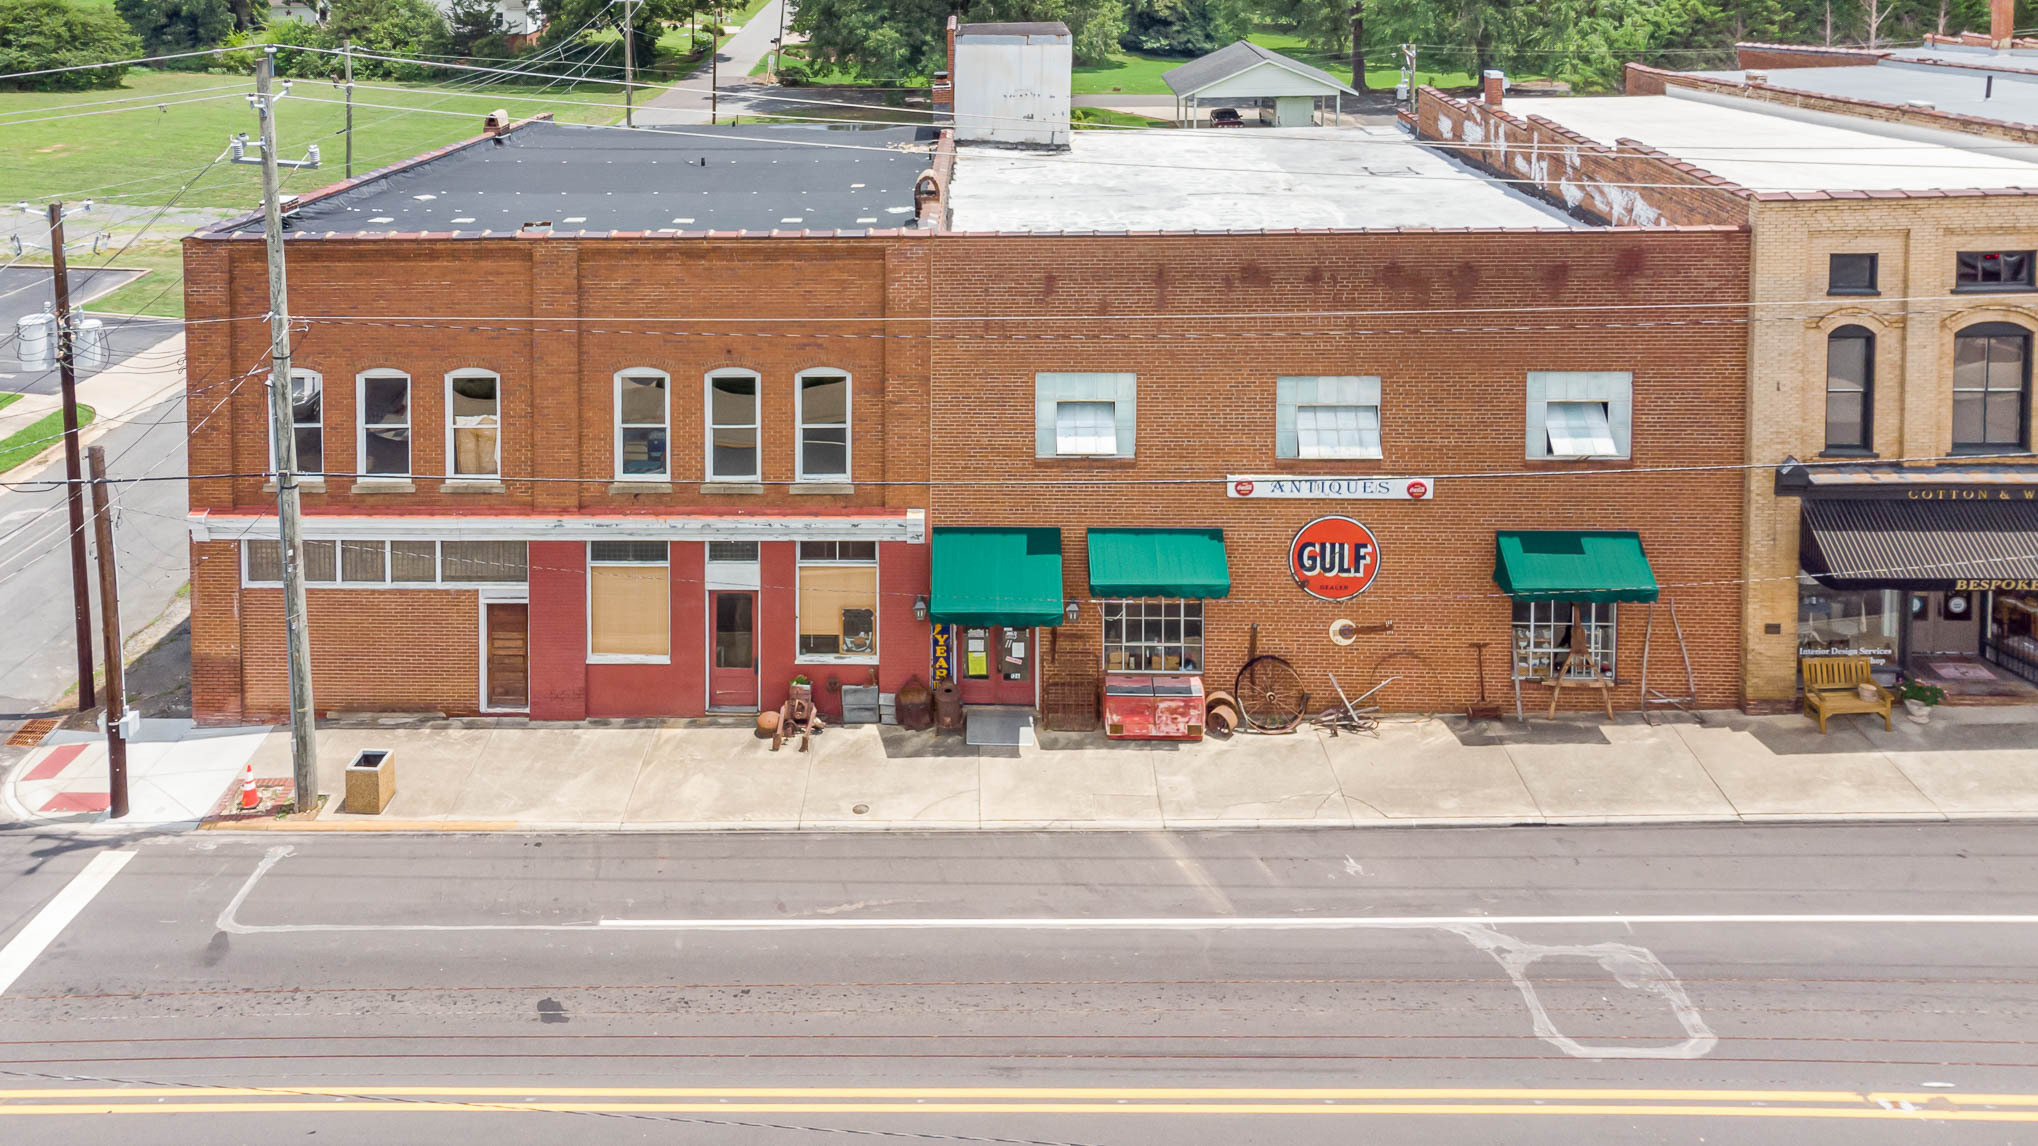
(1153, 636)
(1544, 641)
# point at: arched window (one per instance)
(1991, 387)
(1850, 388)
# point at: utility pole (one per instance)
(347, 60)
(282, 431)
(629, 64)
(714, 67)
(109, 614)
(67, 375)
(778, 45)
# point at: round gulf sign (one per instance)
(1334, 558)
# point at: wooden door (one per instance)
(995, 665)
(732, 650)
(509, 655)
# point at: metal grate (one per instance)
(31, 733)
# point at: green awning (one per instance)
(993, 575)
(1158, 563)
(1573, 565)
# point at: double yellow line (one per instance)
(1941, 1105)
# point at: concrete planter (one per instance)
(371, 782)
(1918, 711)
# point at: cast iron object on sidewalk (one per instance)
(1270, 692)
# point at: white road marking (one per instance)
(29, 943)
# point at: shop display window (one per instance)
(1153, 635)
(838, 600)
(1847, 622)
(2014, 624)
(1544, 640)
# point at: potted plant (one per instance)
(1919, 698)
(802, 688)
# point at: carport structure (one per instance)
(1244, 72)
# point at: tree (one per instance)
(575, 19)
(908, 38)
(471, 22)
(39, 34)
(388, 27)
(167, 26)
(1185, 27)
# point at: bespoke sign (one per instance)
(1372, 489)
(1334, 558)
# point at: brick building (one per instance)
(1890, 491)
(652, 445)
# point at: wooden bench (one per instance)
(1832, 687)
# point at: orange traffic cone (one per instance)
(249, 797)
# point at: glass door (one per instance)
(732, 665)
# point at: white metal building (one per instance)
(1012, 84)
(1243, 73)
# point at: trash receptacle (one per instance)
(947, 707)
(371, 782)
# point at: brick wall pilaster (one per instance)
(560, 395)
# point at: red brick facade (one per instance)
(943, 419)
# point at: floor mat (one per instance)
(1960, 670)
(998, 727)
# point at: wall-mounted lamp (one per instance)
(1071, 611)
(920, 608)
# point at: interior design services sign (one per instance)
(1334, 558)
(1375, 489)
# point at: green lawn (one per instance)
(37, 436)
(1105, 117)
(160, 290)
(8, 398)
(143, 156)
(1131, 73)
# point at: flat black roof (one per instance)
(590, 178)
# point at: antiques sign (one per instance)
(1375, 489)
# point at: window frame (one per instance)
(800, 472)
(454, 425)
(800, 563)
(595, 658)
(410, 450)
(1121, 389)
(618, 426)
(1993, 330)
(1182, 606)
(1588, 618)
(755, 425)
(297, 427)
(1614, 388)
(1874, 286)
(1294, 391)
(2000, 286)
(1866, 446)
(338, 580)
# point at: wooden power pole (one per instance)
(74, 495)
(109, 617)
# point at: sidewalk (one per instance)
(176, 775)
(511, 774)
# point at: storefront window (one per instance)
(629, 602)
(838, 599)
(1847, 622)
(2013, 628)
(1544, 641)
(1153, 636)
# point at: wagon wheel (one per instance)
(1270, 693)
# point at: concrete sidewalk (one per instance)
(700, 774)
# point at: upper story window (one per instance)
(307, 422)
(732, 427)
(1850, 389)
(642, 431)
(824, 426)
(1851, 274)
(1327, 417)
(385, 423)
(1580, 414)
(1991, 388)
(474, 424)
(1085, 415)
(1993, 270)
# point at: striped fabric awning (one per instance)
(1924, 543)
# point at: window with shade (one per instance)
(1850, 389)
(1991, 388)
(385, 424)
(473, 424)
(629, 602)
(838, 600)
(732, 427)
(642, 432)
(824, 426)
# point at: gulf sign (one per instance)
(1334, 558)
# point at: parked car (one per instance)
(1226, 117)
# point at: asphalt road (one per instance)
(38, 655)
(1301, 987)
